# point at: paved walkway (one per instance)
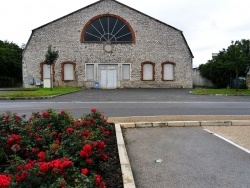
(191, 157)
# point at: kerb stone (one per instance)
(143, 124)
(160, 124)
(176, 123)
(216, 123)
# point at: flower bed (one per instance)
(55, 150)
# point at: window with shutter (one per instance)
(168, 71)
(148, 71)
(89, 74)
(126, 72)
(68, 71)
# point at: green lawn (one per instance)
(39, 92)
(205, 91)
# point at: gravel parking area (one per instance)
(238, 134)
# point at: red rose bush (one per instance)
(53, 149)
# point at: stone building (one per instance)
(112, 45)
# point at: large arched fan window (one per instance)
(107, 28)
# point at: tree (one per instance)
(10, 62)
(229, 63)
(50, 58)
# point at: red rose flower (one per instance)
(98, 179)
(53, 133)
(21, 177)
(43, 166)
(93, 110)
(16, 117)
(46, 114)
(38, 139)
(66, 162)
(59, 135)
(93, 120)
(101, 144)
(107, 133)
(4, 181)
(70, 130)
(35, 150)
(28, 166)
(102, 185)
(84, 153)
(86, 133)
(87, 148)
(89, 160)
(16, 137)
(105, 157)
(94, 144)
(10, 140)
(41, 156)
(84, 171)
(57, 141)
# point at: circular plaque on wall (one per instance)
(107, 47)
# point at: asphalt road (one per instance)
(135, 102)
(191, 158)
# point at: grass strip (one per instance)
(205, 91)
(40, 92)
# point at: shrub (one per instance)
(53, 149)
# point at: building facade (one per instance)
(112, 45)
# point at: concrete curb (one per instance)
(186, 123)
(127, 175)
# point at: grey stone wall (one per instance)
(155, 42)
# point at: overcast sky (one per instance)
(208, 25)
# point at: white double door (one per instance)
(108, 76)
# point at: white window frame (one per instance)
(93, 72)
